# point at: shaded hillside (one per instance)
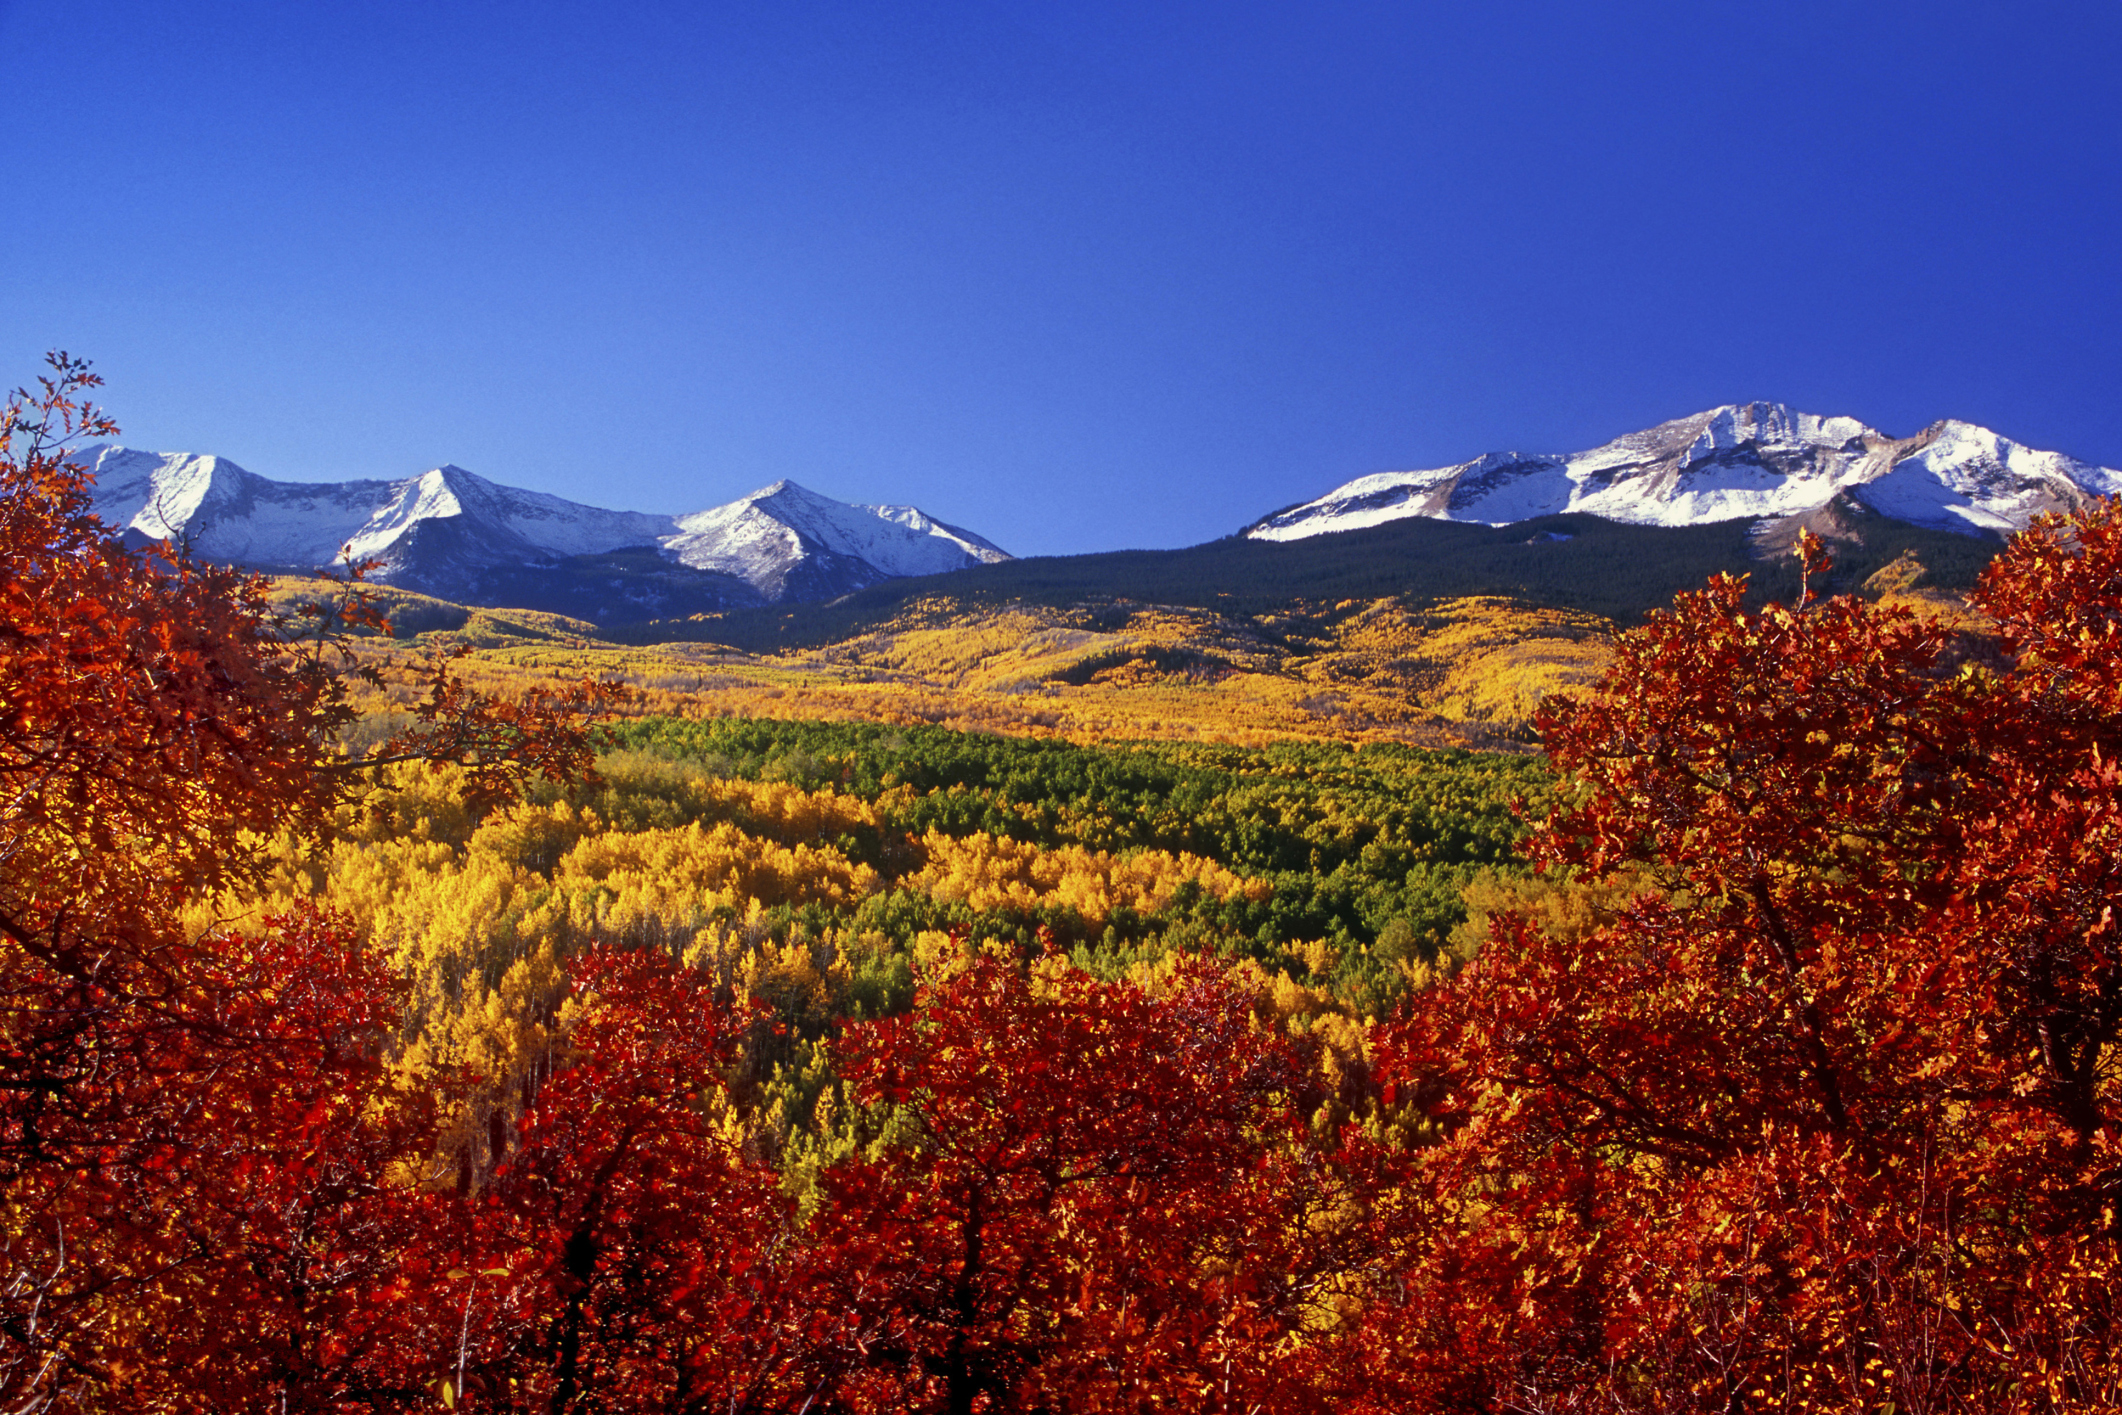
(1580, 563)
(1347, 637)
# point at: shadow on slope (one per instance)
(1572, 562)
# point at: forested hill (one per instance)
(1566, 562)
(1349, 846)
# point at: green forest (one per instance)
(1354, 845)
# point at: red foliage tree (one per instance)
(241, 1232)
(1106, 1200)
(198, 1145)
(626, 1242)
(1826, 1121)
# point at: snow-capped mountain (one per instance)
(226, 513)
(451, 533)
(791, 543)
(1759, 461)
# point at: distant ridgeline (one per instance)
(461, 537)
(1579, 562)
(1614, 531)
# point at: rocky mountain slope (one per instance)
(451, 533)
(1753, 461)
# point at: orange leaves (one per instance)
(1108, 1200)
(157, 725)
(226, 1193)
(204, 1162)
(1812, 1125)
(148, 728)
(628, 1231)
(1807, 1099)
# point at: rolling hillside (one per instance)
(1576, 563)
(1353, 653)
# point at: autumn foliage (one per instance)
(1797, 1091)
(1098, 1200)
(1825, 1120)
(212, 1174)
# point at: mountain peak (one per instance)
(1760, 460)
(788, 491)
(452, 532)
(1741, 424)
(788, 542)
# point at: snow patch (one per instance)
(1741, 462)
(226, 513)
(761, 537)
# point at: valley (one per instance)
(1460, 672)
(1418, 632)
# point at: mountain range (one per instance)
(1749, 461)
(1761, 468)
(450, 533)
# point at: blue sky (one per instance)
(1075, 276)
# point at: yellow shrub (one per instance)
(995, 872)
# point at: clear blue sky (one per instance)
(1078, 276)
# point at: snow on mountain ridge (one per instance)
(915, 519)
(445, 528)
(224, 512)
(1741, 461)
(517, 523)
(761, 538)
